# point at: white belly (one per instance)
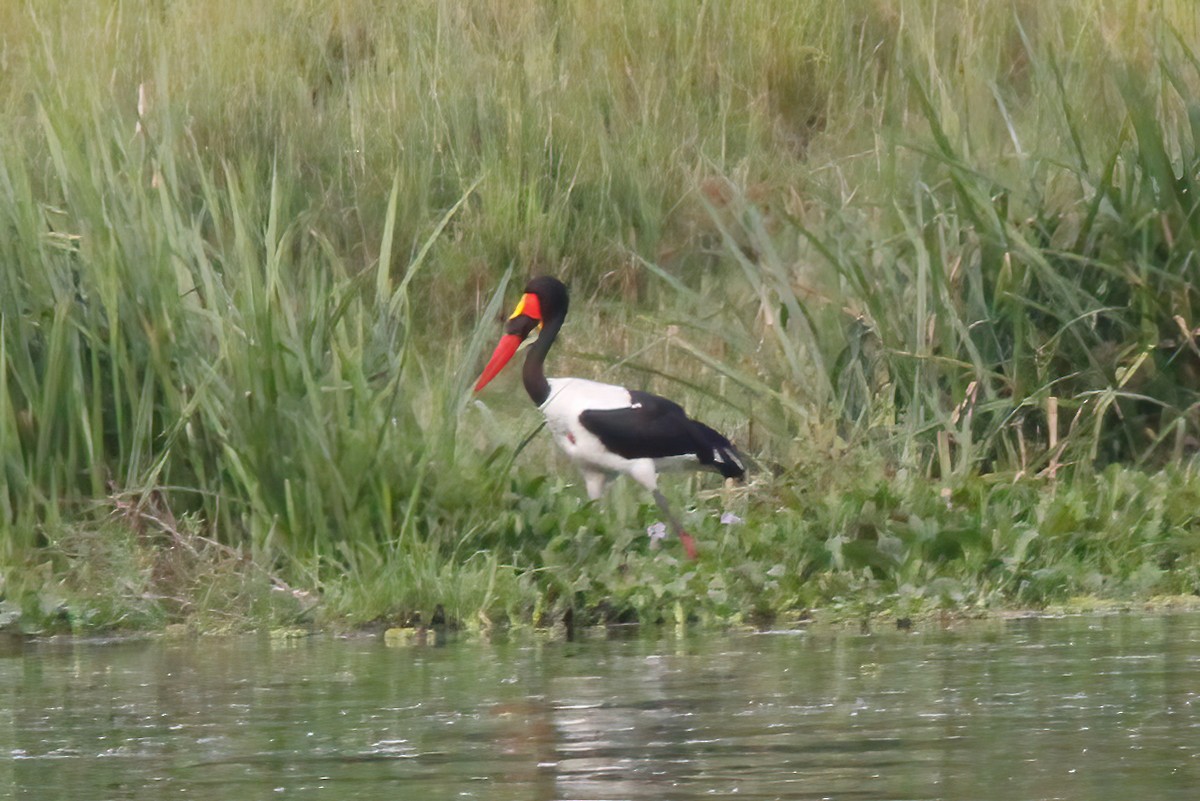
(571, 397)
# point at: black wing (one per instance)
(654, 427)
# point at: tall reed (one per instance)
(250, 254)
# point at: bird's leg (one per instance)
(685, 539)
(595, 481)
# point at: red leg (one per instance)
(689, 545)
(685, 539)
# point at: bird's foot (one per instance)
(689, 545)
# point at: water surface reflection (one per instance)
(1099, 708)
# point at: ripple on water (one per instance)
(1073, 708)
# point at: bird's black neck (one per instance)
(533, 374)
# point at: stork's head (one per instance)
(544, 299)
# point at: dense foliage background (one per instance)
(933, 266)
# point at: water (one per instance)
(1082, 708)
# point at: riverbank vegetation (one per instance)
(932, 266)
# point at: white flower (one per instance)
(730, 519)
(656, 532)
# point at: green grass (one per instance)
(933, 266)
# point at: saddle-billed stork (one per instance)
(605, 429)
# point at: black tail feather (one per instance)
(718, 453)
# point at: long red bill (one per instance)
(500, 356)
